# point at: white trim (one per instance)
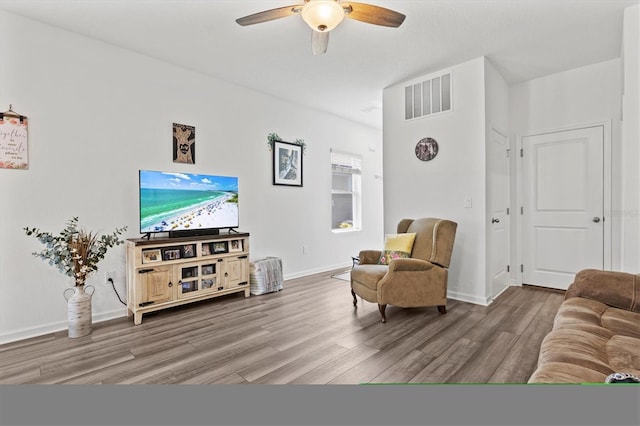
(470, 298)
(345, 230)
(493, 298)
(308, 272)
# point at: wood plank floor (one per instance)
(307, 333)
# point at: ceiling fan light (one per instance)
(322, 15)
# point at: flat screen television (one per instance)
(184, 204)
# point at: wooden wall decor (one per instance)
(184, 144)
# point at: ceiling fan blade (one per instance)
(319, 42)
(372, 14)
(269, 15)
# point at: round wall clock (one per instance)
(426, 149)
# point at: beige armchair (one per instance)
(420, 280)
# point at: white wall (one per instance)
(574, 98)
(438, 188)
(98, 114)
(630, 209)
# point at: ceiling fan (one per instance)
(324, 15)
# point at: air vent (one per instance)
(428, 97)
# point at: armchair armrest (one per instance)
(369, 257)
(617, 289)
(409, 264)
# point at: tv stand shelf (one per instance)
(167, 272)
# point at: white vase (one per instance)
(79, 310)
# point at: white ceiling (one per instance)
(525, 39)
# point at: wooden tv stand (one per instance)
(167, 272)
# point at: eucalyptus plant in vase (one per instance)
(76, 253)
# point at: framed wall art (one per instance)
(184, 144)
(287, 164)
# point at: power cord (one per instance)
(116, 291)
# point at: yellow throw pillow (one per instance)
(396, 246)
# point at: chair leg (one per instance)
(382, 308)
(355, 300)
(442, 309)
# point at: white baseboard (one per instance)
(27, 333)
(470, 298)
(308, 272)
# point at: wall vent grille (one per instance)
(428, 97)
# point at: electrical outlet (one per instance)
(305, 249)
(468, 202)
(110, 275)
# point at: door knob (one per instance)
(494, 220)
(596, 219)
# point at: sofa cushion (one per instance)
(582, 315)
(564, 372)
(576, 347)
(617, 289)
(623, 323)
(623, 354)
(397, 246)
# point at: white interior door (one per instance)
(497, 204)
(563, 214)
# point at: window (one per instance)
(346, 183)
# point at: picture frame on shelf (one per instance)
(150, 256)
(171, 254)
(188, 250)
(220, 247)
(206, 249)
(287, 164)
(235, 246)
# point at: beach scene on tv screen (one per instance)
(187, 201)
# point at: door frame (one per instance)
(607, 181)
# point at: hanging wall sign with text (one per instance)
(13, 141)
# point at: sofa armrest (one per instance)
(409, 264)
(369, 257)
(617, 289)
